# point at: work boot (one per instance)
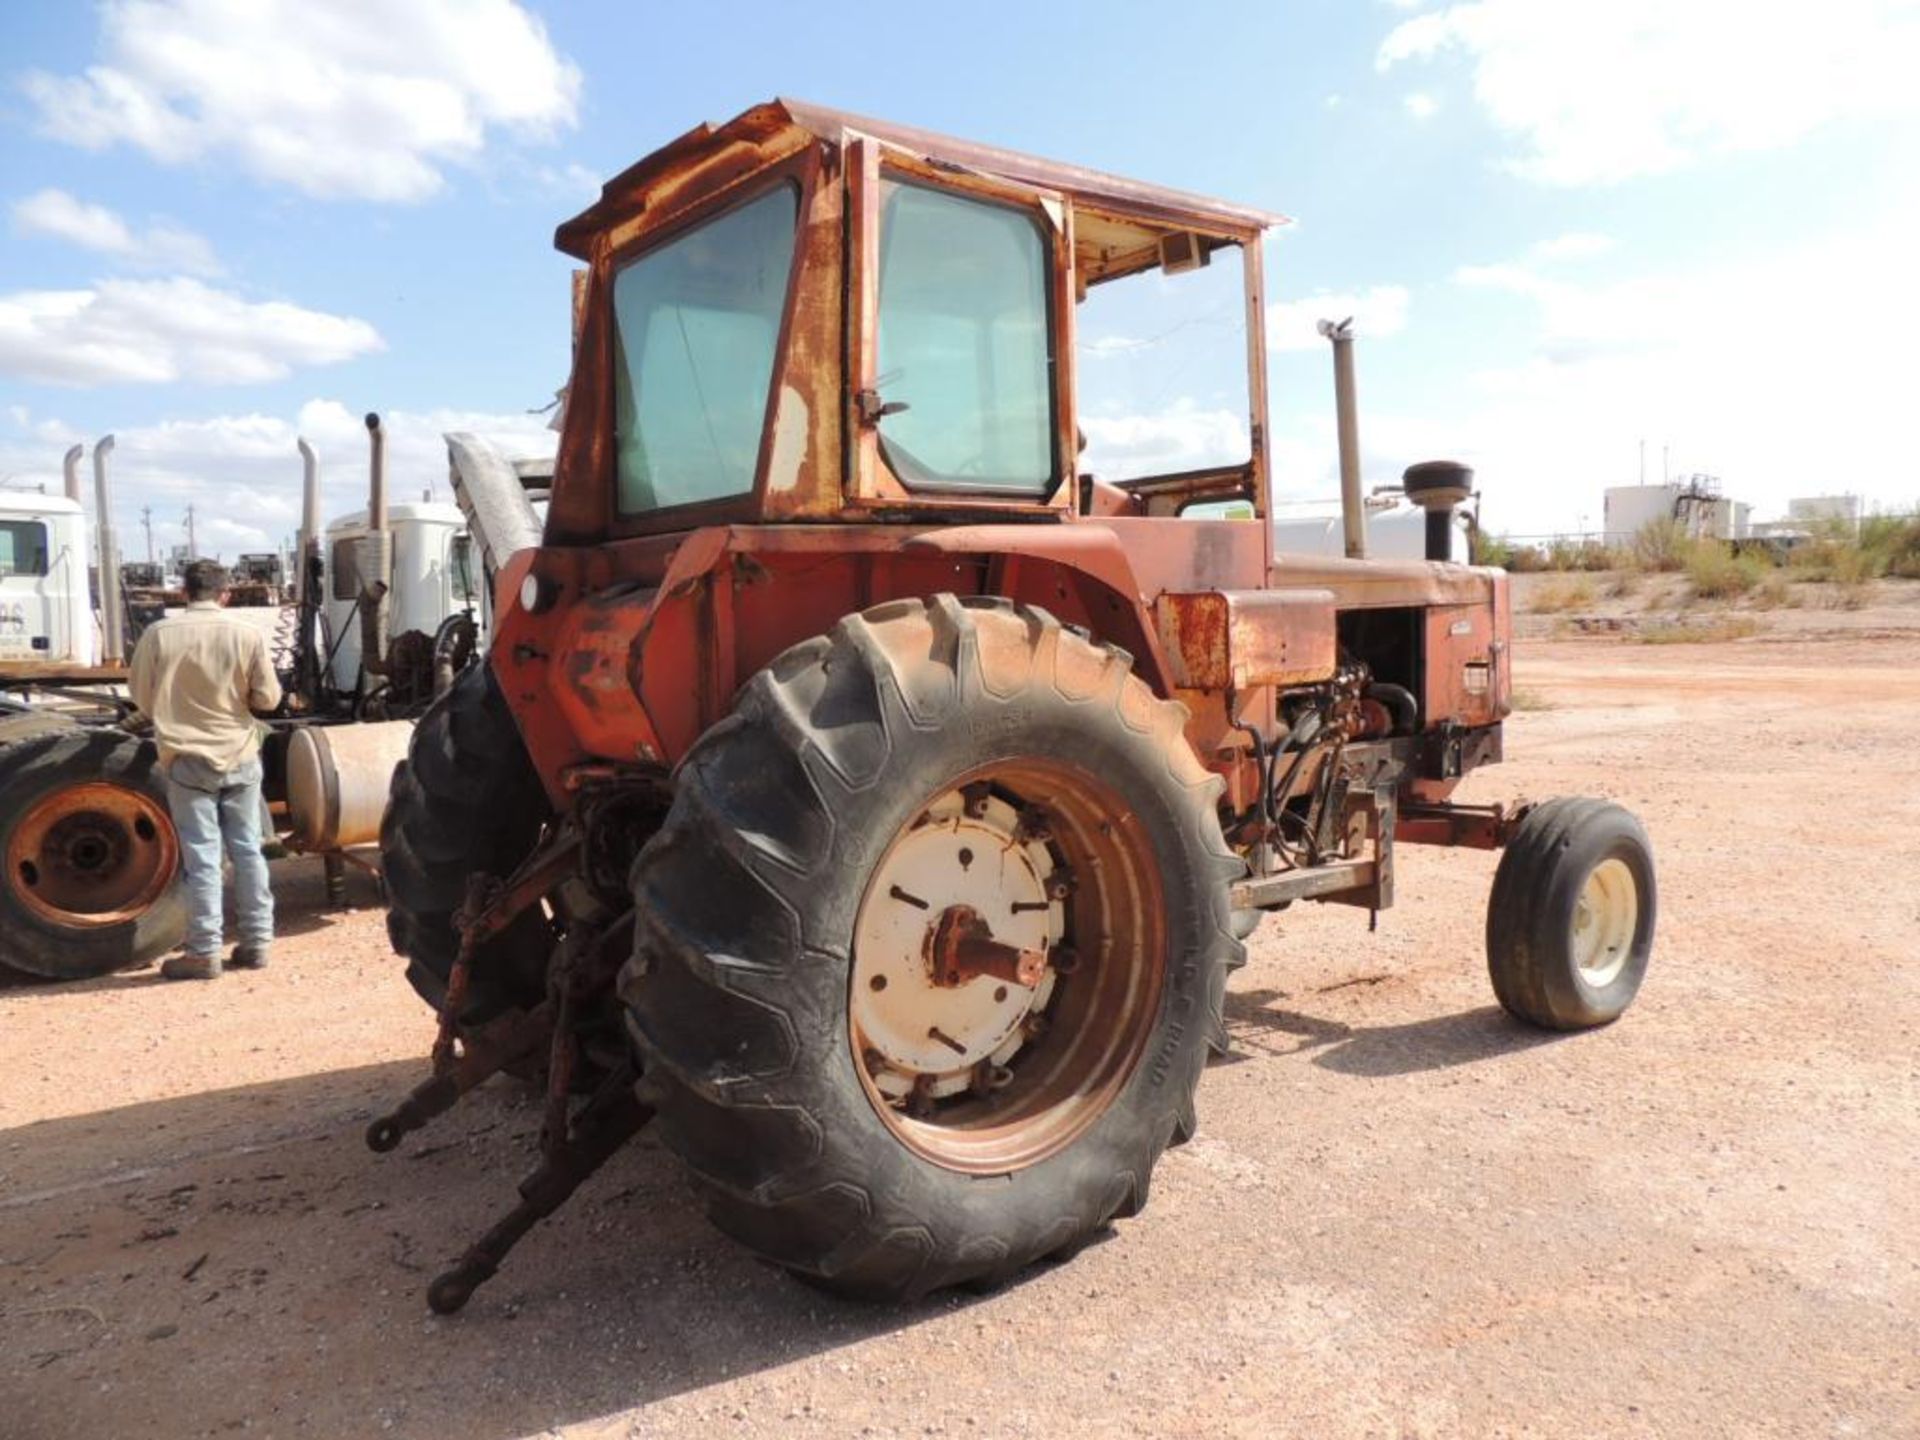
(248, 957)
(191, 967)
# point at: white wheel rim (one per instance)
(914, 1033)
(1604, 920)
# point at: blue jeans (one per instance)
(210, 806)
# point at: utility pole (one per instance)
(193, 546)
(146, 523)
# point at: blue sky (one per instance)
(1564, 225)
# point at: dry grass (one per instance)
(1556, 596)
(1716, 573)
(1773, 593)
(1530, 700)
(1718, 630)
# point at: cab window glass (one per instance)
(460, 562)
(23, 547)
(1161, 385)
(696, 325)
(965, 344)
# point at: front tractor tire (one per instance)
(1570, 920)
(931, 948)
(92, 863)
(466, 800)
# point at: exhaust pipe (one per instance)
(1347, 416)
(71, 465)
(374, 559)
(1438, 487)
(309, 520)
(112, 626)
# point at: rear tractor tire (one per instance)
(465, 800)
(92, 863)
(1570, 920)
(931, 948)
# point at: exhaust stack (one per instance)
(309, 520)
(112, 626)
(1438, 487)
(71, 465)
(1347, 416)
(374, 559)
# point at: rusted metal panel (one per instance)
(1239, 639)
(766, 125)
(1462, 665)
(1386, 584)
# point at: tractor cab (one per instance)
(803, 315)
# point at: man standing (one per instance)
(199, 676)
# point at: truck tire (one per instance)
(91, 881)
(850, 1112)
(1570, 920)
(465, 800)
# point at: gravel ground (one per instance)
(1403, 1216)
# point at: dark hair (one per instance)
(205, 579)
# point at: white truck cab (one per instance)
(435, 574)
(46, 611)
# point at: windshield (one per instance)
(697, 322)
(965, 348)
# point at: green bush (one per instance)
(1716, 573)
(1661, 545)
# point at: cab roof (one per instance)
(765, 127)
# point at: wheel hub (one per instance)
(92, 854)
(951, 958)
(1604, 920)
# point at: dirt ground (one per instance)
(1404, 1215)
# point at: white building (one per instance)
(1694, 501)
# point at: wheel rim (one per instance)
(1604, 919)
(1008, 960)
(92, 855)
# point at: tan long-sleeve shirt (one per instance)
(198, 676)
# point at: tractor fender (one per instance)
(1094, 554)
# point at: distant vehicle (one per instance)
(433, 587)
(257, 580)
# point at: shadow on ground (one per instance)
(1259, 1025)
(238, 1258)
(300, 907)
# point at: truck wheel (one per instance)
(465, 799)
(92, 863)
(931, 948)
(1570, 920)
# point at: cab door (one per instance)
(960, 338)
(32, 626)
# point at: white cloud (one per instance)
(1574, 245)
(362, 100)
(1784, 375)
(1182, 436)
(242, 473)
(1420, 105)
(94, 227)
(1598, 91)
(160, 330)
(1377, 312)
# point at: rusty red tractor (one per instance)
(874, 800)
